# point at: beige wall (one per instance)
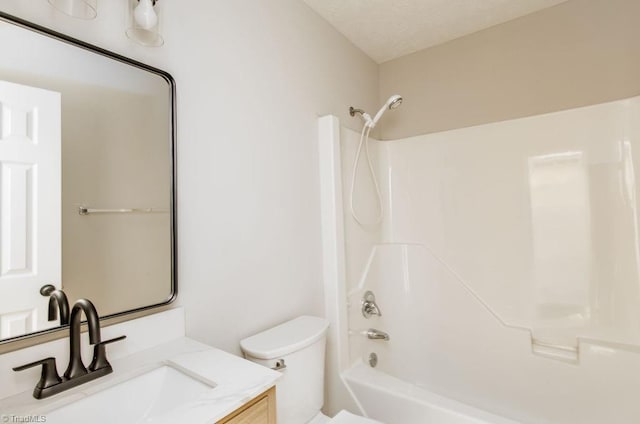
(578, 53)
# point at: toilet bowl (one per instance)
(297, 349)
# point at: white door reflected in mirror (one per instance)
(30, 218)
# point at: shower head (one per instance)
(393, 102)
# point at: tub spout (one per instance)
(374, 334)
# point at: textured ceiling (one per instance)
(387, 29)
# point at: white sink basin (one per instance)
(164, 394)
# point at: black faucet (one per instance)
(50, 383)
(57, 301)
(76, 368)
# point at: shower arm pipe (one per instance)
(367, 118)
(353, 111)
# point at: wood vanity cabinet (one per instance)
(259, 410)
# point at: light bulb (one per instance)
(144, 15)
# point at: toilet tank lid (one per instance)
(285, 338)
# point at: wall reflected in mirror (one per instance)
(85, 180)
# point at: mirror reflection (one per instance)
(85, 180)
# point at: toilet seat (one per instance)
(343, 417)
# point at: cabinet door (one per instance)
(261, 410)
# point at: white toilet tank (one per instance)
(298, 346)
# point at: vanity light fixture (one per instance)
(81, 9)
(144, 23)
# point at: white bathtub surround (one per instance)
(538, 216)
(507, 267)
(236, 380)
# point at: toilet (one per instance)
(296, 348)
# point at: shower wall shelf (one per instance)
(83, 210)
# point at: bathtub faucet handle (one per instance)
(369, 306)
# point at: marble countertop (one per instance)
(236, 381)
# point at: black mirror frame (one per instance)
(173, 135)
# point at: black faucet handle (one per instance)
(100, 354)
(115, 339)
(49, 376)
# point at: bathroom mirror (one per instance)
(87, 196)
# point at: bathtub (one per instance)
(394, 401)
(478, 310)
